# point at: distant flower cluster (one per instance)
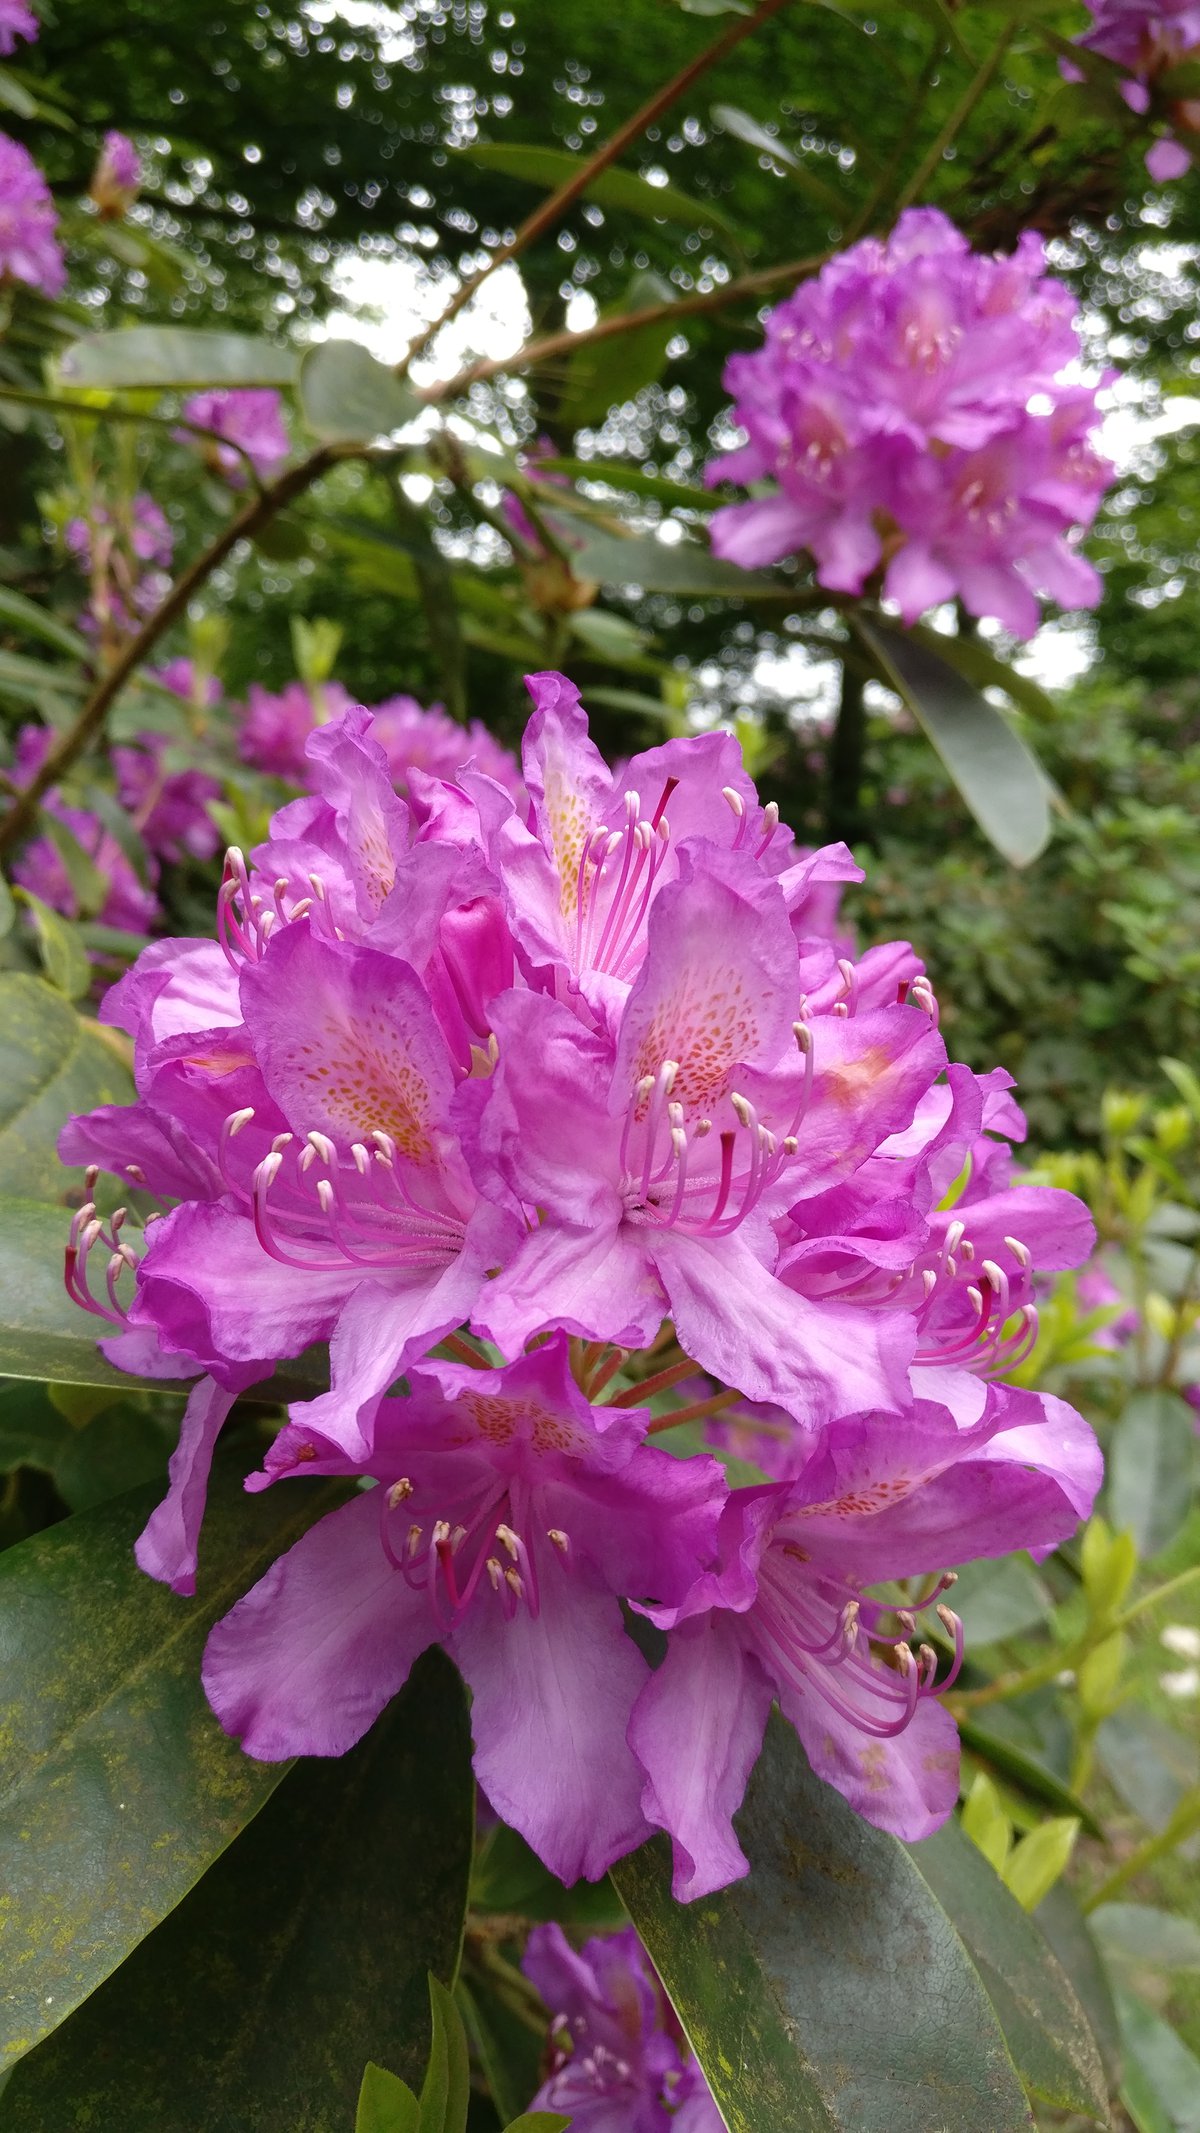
(275, 726)
(29, 250)
(247, 428)
(911, 409)
(618, 2061)
(564, 1121)
(1149, 38)
(18, 25)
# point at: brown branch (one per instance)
(245, 523)
(566, 343)
(552, 209)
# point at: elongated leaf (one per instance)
(43, 1334)
(349, 396)
(1138, 1933)
(305, 1949)
(64, 958)
(506, 2049)
(1066, 1929)
(385, 2104)
(1161, 2088)
(1149, 1762)
(176, 358)
(619, 474)
(602, 374)
(1046, 2029)
(662, 566)
(974, 658)
(1027, 1771)
(998, 777)
(117, 1787)
(834, 1918)
(1151, 1467)
(997, 1599)
(538, 2122)
(52, 1062)
(37, 621)
(446, 2089)
(621, 190)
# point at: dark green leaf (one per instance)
(663, 566)
(52, 1062)
(1000, 780)
(538, 2122)
(509, 1876)
(618, 474)
(621, 190)
(1151, 1465)
(42, 1333)
(305, 1949)
(32, 1431)
(117, 1786)
(508, 2053)
(38, 621)
(8, 909)
(1066, 1930)
(1046, 2028)
(90, 886)
(385, 2104)
(1027, 1771)
(1161, 2088)
(348, 396)
(829, 1990)
(1150, 1764)
(118, 1449)
(1138, 1933)
(603, 374)
(175, 358)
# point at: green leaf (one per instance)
(663, 566)
(1151, 1467)
(1001, 781)
(1047, 2030)
(538, 2122)
(64, 957)
(986, 1824)
(1066, 1930)
(634, 481)
(8, 909)
(303, 1951)
(767, 1976)
(1149, 1762)
(385, 2103)
(89, 885)
(1161, 2088)
(1025, 1770)
(117, 1787)
(447, 2086)
(733, 120)
(509, 1876)
(175, 359)
(43, 1335)
(1108, 1561)
(505, 2047)
(973, 657)
(998, 1599)
(621, 190)
(1138, 1933)
(1040, 1859)
(348, 396)
(52, 1062)
(604, 374)
(38, 621)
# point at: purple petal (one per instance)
(696, 1730)
(166, 1548)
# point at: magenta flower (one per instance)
(167, 805)
(250, 419)
(275, 727)
(129, 904)
(17, 23)
(786, 1616)
(1148, 38)
(413, 738)
(891, 402)
(117, 178)
(617, 2062)
(28, 220)
(508, 1521)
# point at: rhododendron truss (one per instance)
(544, 1112)
(912, 405)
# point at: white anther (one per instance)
(966, 1251)
(1019, 1251)
(494, 1572)
(993, 1274)
(954, 1236)
(441, 1533)
(840, 1008)
(238, 1119)
(771, 817)
(323, 1146)
(135, 1171)
(741, 1106)
(976, 1296)
(326, 1196)
(317, 886)
(701, 1127)
(675, 1115)
(281, 1141)
(558, 1539)
(399, 1492)
(515, 1582)
(803, 1036)
(269, 1168)
(734, 801)
(790, 1144)
(668, 1074)
(928, 1282)
(645, 1087)
(414, 1539)
(508, 1539)
(362, 1161)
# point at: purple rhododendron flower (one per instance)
(117, 177)
(587, 1074)
(786, 1616)
(168, 805)
(126, 556)
(275, 725)
(910, 403)
(618, 2063)
(28, 220)
(249, 418)
(275, 729)
(17, 23)
(508, 1519)
(129, 903)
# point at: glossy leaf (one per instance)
(52, 1062)
(1151, 1467)
(1139, 1933)
(614, 188)
(63, 955)
(1161, 2087)
(998, 1599)
(385, 2104)
(117, 1787)
(304, 1951)
(829, 1990)
(175, 359)
(349, 396)
(1047, 2031)
(509, 1876)
(1067, 1932)
(1000, 780)
(43, 1334)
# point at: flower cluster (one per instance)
(274, 730)
(247, 425)
(125, 556)
(910, 404)
(29, 250)
(17, 24)
(536, 1113)
(618, 2063)
(1149, 38)
(129, 902)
